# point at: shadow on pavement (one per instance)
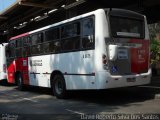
(118, 96)
(110, 97)
(5, 83)
(155, 81)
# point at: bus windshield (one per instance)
(126, 27)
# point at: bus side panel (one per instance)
(11, 71)
(22, 67)
(80, 70)
(39, 70)
(77, 68)
(25, 71)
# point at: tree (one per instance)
(154, 30)
(155, 51)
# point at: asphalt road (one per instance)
(39, 103)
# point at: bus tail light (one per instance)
(4, 68)
(104, 59)
(104, 62)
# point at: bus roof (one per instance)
(67, 20)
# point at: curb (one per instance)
(157, 96)
(154, 91)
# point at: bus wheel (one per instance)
(59, 87)
(20, 82)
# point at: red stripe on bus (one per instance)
(18, 36)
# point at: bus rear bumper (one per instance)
(104, 80)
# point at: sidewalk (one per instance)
(153, 89)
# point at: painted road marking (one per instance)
(29, 99)
(75, 112)
(18, 99)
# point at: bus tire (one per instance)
(59, 86)
(20, 82)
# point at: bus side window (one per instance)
(34, 39)
(88, 33)
(52, 34)
(37, 46)
(11, 48)
(52, 41)
(7, 51)
(26, 48)
(19, 43)
(37, 38)
(19, 47)
(26, 41)
(40, 38)
(70, 35)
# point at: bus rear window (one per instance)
(126, 27)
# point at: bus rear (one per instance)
(126, 53)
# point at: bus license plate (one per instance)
(133, 79)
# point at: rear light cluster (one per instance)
(104, 58)
(105, 62)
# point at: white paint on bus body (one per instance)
(3, 66)
(78, 69)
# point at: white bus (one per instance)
(3, 74)
(106, 48)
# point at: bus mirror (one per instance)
(113, 50)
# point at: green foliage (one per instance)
(155, 51)
(154, 29)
